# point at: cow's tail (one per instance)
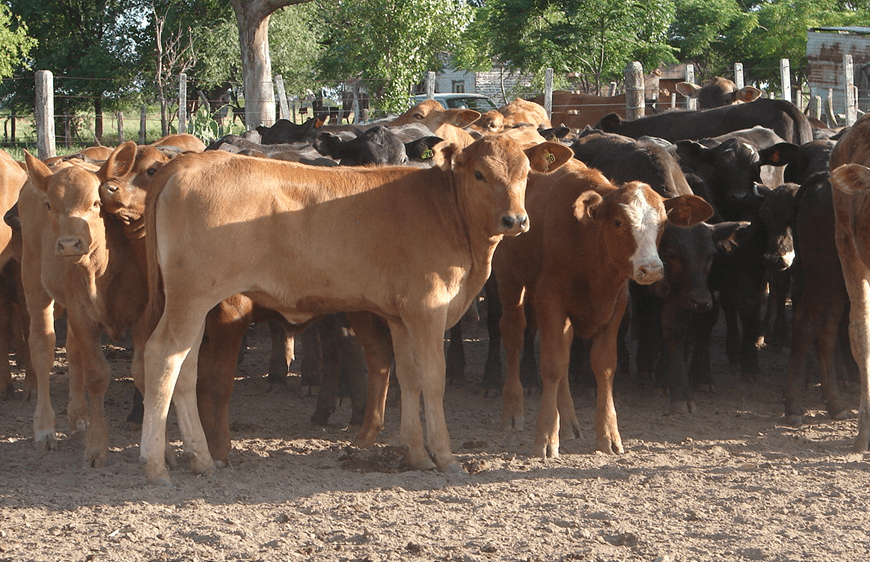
(156, 297)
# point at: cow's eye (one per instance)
(478, 176)
(48, 205)
(152, 171)
(97, 204)
(617, 223)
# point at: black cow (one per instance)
(286, 132)
(820, 301)
(377, 145)
(782, 117)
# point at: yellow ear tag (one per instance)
(549, 157)
(427, 154)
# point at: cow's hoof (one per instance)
(546, 451)
(839, 413)
(794, 420)
(680, 407)
(513, 423)
(95, 460)
(861, 445)
(320, 417)
(220, 465)
(609, 447)
(424, 463)
(161, 481)
(203, 466)
(453, 468)
(46, 442)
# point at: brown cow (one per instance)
(851, 181)
(448, 124)
(525, 111)
(408, 244)
(590, 238)
(74, 255)
(12, 178)
(717, 92)
(183, 141)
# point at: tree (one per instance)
(14, 42)
(593, 39)
(390, 42)
(252, 18)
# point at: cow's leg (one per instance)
(826, 350)
(513, 325)
(569, 426)
(374, 336)
(6, 386)
(802, 336)
(556, 336)
(89, 365)
(329, 334)
(77, 406)
(492, 371)
(177, 332)
(456, 353)
(750, 320)
(603, 356)
(281, 354)
(732, 331)
(675, 323)
(42, 340)
(856, 276)
(312, 358)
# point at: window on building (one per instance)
(459, 86)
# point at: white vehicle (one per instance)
(477, 102)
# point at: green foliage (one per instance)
(592, 38)
(205, 127)
(14, 42)
(392, 42)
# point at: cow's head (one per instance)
(490, 177)
(717, 92)
(735, 183)
(687, 254)
(777, 214)
(72, 205)
(632, 219)
(490, 122)
(125, 177)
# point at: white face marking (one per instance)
(644, 222)
(788, 258)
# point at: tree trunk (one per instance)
(252, 19)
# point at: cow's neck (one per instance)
(93, 275)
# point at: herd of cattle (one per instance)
(386, 233)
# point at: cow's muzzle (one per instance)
(70, 247)
(515, 224)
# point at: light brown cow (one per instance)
(411, 245)
(588, 240)
(75, 256)
(449, 124)
(12, 178)
(851, 181)
(717, 92)
(183, 141)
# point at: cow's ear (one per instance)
(687, 89)
(851, 179)
(724, 235)
(119, 163)
(37, 171)
(447, 156)
(548, 156)
(748, 94)
(586, 204)
(687, 210)
(464, 118)
(609, 123)
(692, 151)
(779, 154)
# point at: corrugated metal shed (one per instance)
(825, 49)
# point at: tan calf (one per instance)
(410, 245)
(851, 181)
(74, 255)
(588, 239)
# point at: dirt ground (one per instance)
(730, 482)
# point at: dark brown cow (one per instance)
(74, 255)
(590, 238)
(410, 245)
(12, 178)
(717, 92)
(850, 178)
(577, 110)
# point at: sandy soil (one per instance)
(730, 482)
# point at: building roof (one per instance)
(849, 29)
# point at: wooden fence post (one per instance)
(548, 92)
(785, 78)
(634, 91)
(829, 110)
(611, 90)
(691, 103)
(45, 114)
(430, 85)
(120, 126)
(816, 107)
(282, 97)
(738, 75)
(142, 124)
(850, 96)
(182, 103)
